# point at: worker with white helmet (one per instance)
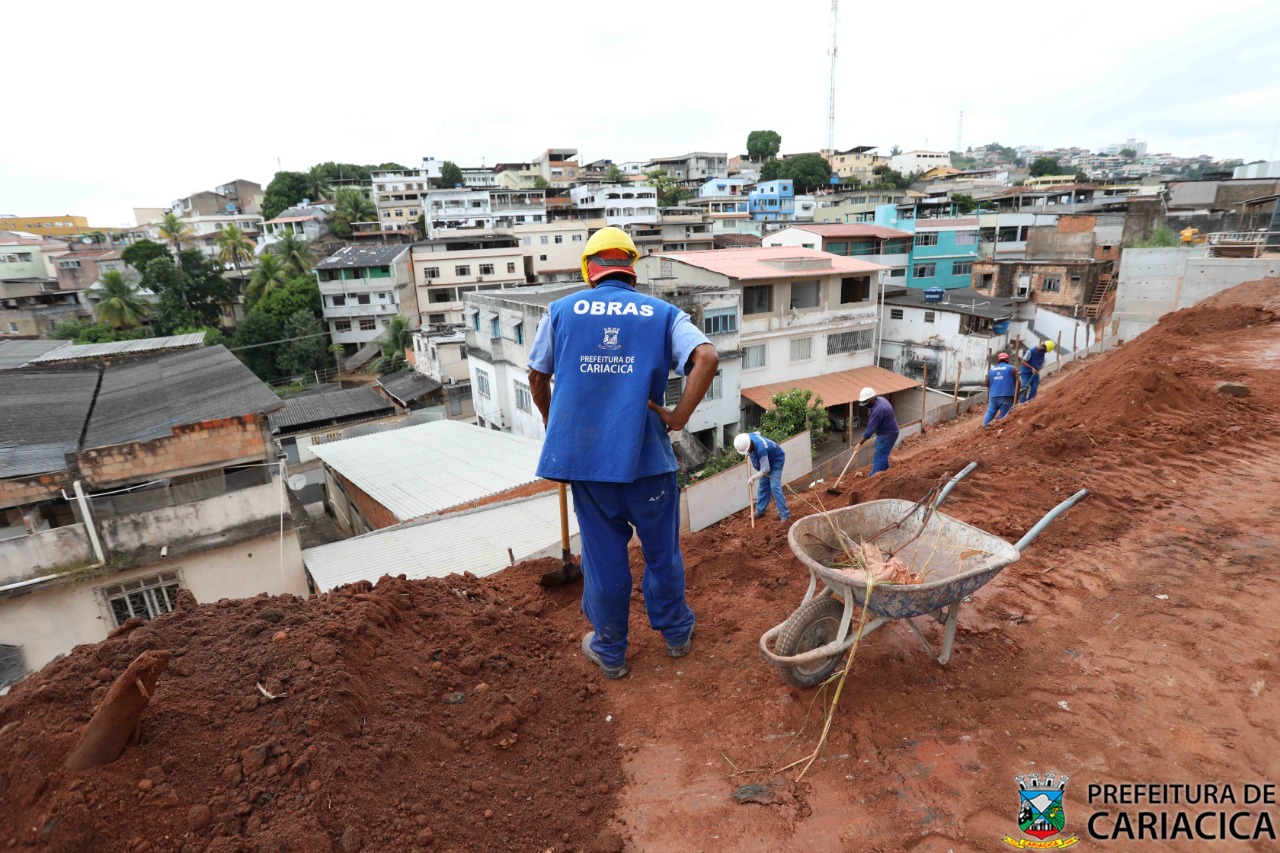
(610, 350)
(1002, 387)
(766, 458)
(1032, 362)
(882, 423)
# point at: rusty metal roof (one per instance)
(835, 389)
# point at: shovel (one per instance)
(567, 573)
(834, 489)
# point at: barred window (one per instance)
(844, 342)
(145, 597)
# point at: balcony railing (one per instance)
(1243, 244)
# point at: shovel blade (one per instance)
(566, 574)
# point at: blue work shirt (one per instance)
(1034, 357)
(610, 350)
(765, 453)
(882, 420)
(1001, 379)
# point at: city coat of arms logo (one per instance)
(610, 339)
(1040, 813)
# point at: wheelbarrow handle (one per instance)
(1049, 519)
(951, 484)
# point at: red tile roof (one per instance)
(752, 263)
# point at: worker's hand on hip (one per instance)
(668, 417)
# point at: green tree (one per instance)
(142, 253)
(614, 175)
(285, 190)
(174, 230)
(770, 170)
(191, 292)
(234, 247)
(1081, 177)
(396, 338)
(669, 190)
(305, 345)
(450, 175)
(83, 330)
(315, 183)
(964, 203)
(1045, 166)
(1128, 153)
(895, 151)
(763, 144)
(889, 178)
(256, 343)
(271, 272)
(806, 171)
(300, 293)
(350, 206)
(120, 305)
(787, 417)
(1159, 238)
(540, 183)
(293, 250)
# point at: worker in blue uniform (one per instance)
(1032, 363)
(882, 423)
(766, 459)
(1002, 387)
(610, 349)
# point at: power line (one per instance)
(281, 341)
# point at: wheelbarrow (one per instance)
(955, 558)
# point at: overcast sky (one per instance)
(117, 105)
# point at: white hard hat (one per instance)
(867, 394)
(742, 443)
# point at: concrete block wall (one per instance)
(18, 491)
(191, 447)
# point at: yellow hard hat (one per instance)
(602, 241)
(1048, 346)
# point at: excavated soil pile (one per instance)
(425, 714)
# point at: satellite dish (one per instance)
(297, 482)
(86, 239)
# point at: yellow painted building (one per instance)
(65, 225)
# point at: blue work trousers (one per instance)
(880, 458)
(771, 485)
(997, 409)
(606, 513)
(1030, 384)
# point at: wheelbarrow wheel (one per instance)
(814, 625)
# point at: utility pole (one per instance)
(960, 134)
(831, 98)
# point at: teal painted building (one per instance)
(943, 247)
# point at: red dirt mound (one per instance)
(425, 714)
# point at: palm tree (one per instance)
(234, 247)
(292, 249)
(174, 229)
(271, 272)
(121, 307)
(351, 206)
(314, 184)
(397, 338)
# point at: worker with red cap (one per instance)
(610, 350)
(1002, 387)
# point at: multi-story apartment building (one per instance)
(845, 206)
(517, 207)
(239, 196)
(858, 163)
(887, 247)
(727, 214)
(361, 289)
(773, 201)
(558, 166)
(398, 197)
(678, 229)
(65, 225)
(479, 177)
(552, 250)
(451, 264)
(616, 204)
(910, 162)
(457, 208)
(694, 168)
(36, 291)
(441, 355)
(517, 176)
(943, 247)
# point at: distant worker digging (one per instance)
(767, 459)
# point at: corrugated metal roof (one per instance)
(40, 419)
(854, 229)
(432, 467)
(17, 353)
(750, 263)
(475, 541)
(408, 385)
(144, 400)
(362, 256)
(78, 351)
(329, 408)
(958, 300)
(835, 389)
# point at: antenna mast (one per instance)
(960, 134)
(831, 100)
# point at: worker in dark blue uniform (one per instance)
(610, 350)
(1032, 363)
(766, 459)
(882, 423)
(1002, 387)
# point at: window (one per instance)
(805, 294)
(886, 363)
(544, 240)
(801, 349)
(754, 356)
(525, 241)
(577, 238)
(1075, 281)
(455, 405)
(926, 239)
(967, 238)
(68, 265)
(896, 314)
(559, 238)
(962, 268)
(856, 289)
(511, 267)
(517, 332)
(486, 269)
(462, 269)
(1051, 284)
(337, 301)
(524, 400)
(898, 272)
(435, 319)
(482, 383)
(924, 270)
(495, 331)
(368, 324)
(928, 316)
(542, 257)
(719, 321)
(674, 386)
(362, 299)
(431, 272)
(145, 597)
(475, 321)
(757, 299)
(13, 327)
(716, 391)
(342, 325)
(849, 342)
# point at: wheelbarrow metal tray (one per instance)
(957, 558)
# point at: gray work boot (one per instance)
(609, 671)
(682, 649)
